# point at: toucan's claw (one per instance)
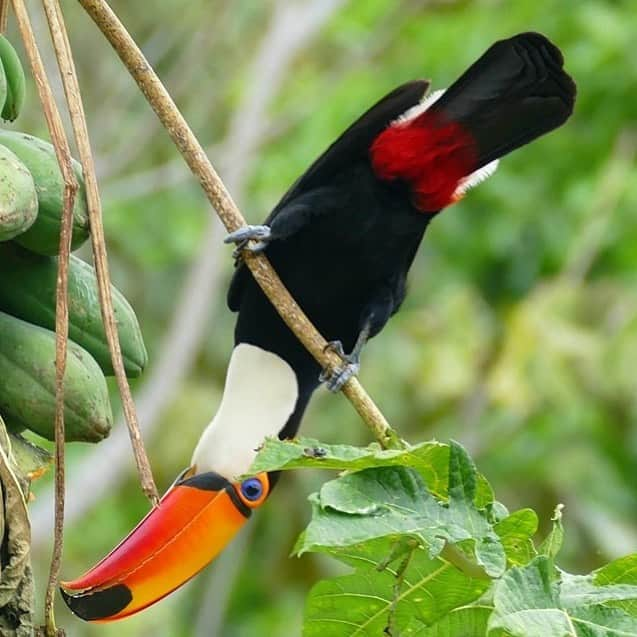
(337, 348)
(249, 233)
(259, 236)
(335, 379)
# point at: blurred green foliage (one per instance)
(519, 334)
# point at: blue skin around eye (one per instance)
(251, 489)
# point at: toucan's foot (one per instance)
(335, 379)
(337, 348)
(260, 235)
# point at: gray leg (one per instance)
(336, 379)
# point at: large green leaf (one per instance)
(430, 459)
(369, 600)
(537, 600)
(387, 501)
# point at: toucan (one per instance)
(342, 240)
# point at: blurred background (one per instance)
(519, 334)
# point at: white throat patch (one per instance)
(259, 396)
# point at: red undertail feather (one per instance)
(430, 154)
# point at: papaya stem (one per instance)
(4, 15)
(201, 167)
(63, 154)
(78, 121)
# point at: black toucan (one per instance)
(342, 239)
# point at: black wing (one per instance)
(351, 146)
(354, 143)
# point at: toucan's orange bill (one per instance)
(192, 523)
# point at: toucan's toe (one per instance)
(259, 235)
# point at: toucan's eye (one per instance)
(253, 491)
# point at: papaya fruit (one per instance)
(15, 80)
(3, 87)
(29, 294)
(39, 157)
(27, 387)
(18, 199)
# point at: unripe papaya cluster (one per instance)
(31, 204)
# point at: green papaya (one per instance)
(4, 89)
(15, 80)
(39, 157)
(27, 386)
(18, 199)
(29, 294)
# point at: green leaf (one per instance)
(462, 475)
(553, 541)
(580, 590)
(430, 459)
(526, 603)
(620, 571)
(515, 533)
(539, 601)
(615, 584)
(465, 621)
(361, 604)
(388, 501)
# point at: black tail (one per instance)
(514, 93)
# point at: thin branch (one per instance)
(4, 15)
(78, 121)
(232, 219)
(63, 155)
